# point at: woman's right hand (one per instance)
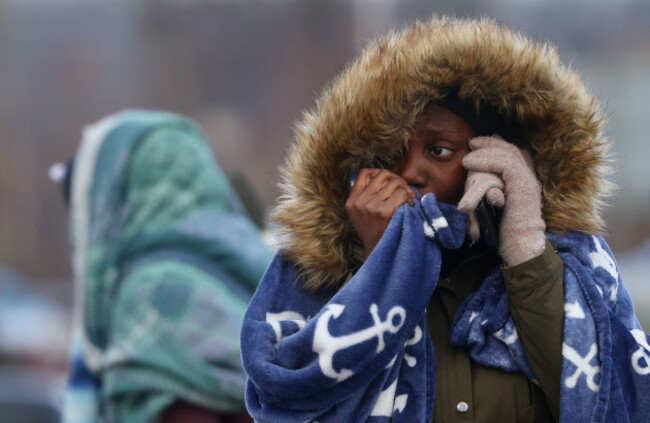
(376, 194)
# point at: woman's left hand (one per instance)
(521, 233)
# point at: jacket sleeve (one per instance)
(535, 296)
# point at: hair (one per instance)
(484, 119)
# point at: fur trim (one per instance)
(364, 119)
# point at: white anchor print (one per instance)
(274, 320)
(388, 403)
(428, 231)
(600, 258)
(431, 228)
(642, 354)
(410, 360)
(417, 336)
(582, 366)
(326, 345)
(510, 338)
(574, 311)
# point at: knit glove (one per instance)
(477, 186)
(521, 232)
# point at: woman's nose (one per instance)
(410, 169)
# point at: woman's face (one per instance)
(433, 163)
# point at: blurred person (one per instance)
(165, 263)
(386, 302)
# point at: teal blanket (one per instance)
(165, 264)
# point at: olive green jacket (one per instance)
(469, 392)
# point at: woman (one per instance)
(165, 263)
(433, 119)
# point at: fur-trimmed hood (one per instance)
(364, 119)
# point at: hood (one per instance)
(146, 183)
(364, 119)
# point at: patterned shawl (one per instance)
(165, 263)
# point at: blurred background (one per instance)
(244, 70)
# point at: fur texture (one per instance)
(365, 118)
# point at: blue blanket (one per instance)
(362, 353)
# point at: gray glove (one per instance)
(478, 185)
(493, 165)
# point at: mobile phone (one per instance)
(489, 218)
(353, 180)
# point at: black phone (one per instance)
(489, 218)
(352, 181)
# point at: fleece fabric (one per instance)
(359, 354)
(165, 263)
(363, 352)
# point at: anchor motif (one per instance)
(600, 258)
(641, 355)
(507, 335)
(582, 366)
(411, 361)
(574, 311)
(430, 229)
(274, 320)
(388, 403)
(326, 345)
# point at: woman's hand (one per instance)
(374, 198)
(521, 232)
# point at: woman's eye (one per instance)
(440, 151)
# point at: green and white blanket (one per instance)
(165, 263)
